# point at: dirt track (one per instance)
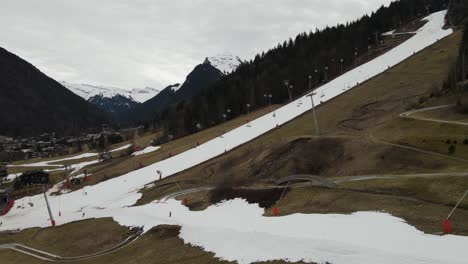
(42, 255)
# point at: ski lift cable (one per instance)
(282, 194)
(456, 206)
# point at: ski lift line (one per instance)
(178, 186)
(282, 194)
(48, 206)
(456, 206)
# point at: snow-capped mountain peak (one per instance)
(87, 91)
(226, 63)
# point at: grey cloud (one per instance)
(136, 43)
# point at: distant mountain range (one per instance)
(226, 63)
(199, 79)
(128, 105)
(32, 103)
(87, 91)
(119, 102)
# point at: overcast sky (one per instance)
(138, 43)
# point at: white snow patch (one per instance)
(176, 87)
(146, 150)
(388, 33)
(226, 63)
(80, 156)
(87, 91)
(121, 148)
(79, 166)
(11, 177)
(237, 231)
(80, 176)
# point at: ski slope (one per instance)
(274, 238)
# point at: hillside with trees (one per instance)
(198, 80)
(321, 54)
(32, 103)
(458, 11)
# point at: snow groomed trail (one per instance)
(238, 231)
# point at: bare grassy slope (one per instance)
(345, 147)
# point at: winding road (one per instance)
(408, 115)
(42, 255)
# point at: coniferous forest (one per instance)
(322, 54)
(458, 11)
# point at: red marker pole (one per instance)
(8, 207)
(275, 211)
(446, 225)
(86, 179)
